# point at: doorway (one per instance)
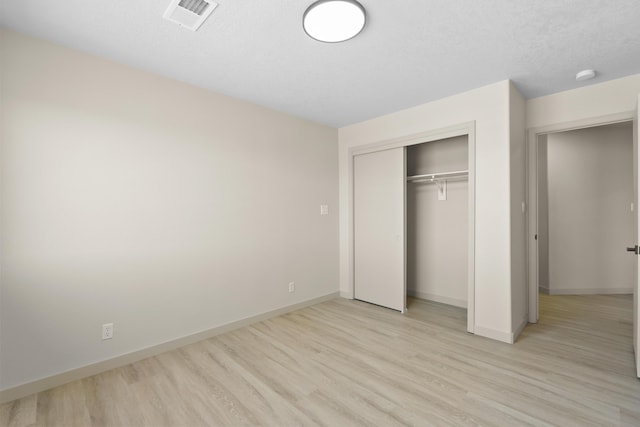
(585, 211)
(533, 259)
(550, 274)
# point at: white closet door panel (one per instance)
(379, 228)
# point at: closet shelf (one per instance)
(438, 176)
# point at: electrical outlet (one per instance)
(292, 286)
(107, 331)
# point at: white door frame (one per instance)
(469, 129)
(532, 193)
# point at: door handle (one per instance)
(633, 249)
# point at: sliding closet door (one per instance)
(379, 228)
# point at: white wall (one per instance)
(489, 107)
(161, 207)
(519, 309)
(604, 99)
(590, 188)
(437, 240)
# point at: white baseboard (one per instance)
(544, 290)
(437, 298)
(43, 384)
(588, 291)
(505, 337)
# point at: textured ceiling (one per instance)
(411, 51)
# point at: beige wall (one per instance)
(604, 99)
(489, 108)
(138, 200)
(590, 189)
(437, 240)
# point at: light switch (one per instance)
(324, 209)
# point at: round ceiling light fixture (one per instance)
(334, 21)
(585, 75)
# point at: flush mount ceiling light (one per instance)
(585, 75)
(333, 21)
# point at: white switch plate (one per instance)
(292, 286)
(324, 209)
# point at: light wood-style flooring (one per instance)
(344, 363)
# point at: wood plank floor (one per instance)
(343, 363)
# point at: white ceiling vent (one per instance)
(189, 13)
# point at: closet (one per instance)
(411, 223)
(437, 221)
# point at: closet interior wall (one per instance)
(437, 239)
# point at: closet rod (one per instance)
(439, 175)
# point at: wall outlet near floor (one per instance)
(292, 286)
(107, 331)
